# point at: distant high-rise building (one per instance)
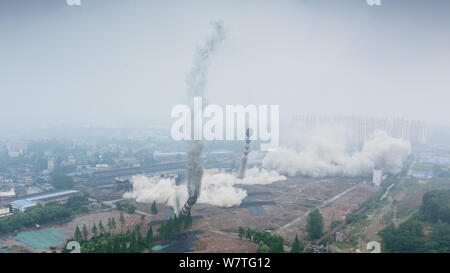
(361, 128)
(50, 165)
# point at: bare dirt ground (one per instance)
(131, 220)
(291, 199)
(223, 243)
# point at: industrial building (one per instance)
(4, 212)
(22, 204)
(422, 174)
(60, 197)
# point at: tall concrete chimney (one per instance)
(241, 174)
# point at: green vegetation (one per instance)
(298, 246)
(428, 231)
(268, 243)
(78, 203)
(61, 181)
(77, 236)
(105, 242)
(241, 232)
(436, 206)
(406, 239)
(170, 229)
(111, 224)
(154, 208)
(124, 206)
(32, 216)
(44, 214)
(335, 224)
(314, 225)
(85, 232)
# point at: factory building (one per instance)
(22, 204)
(4, 212)
(60, 197)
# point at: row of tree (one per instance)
(128, 242)
(130, 208)
(103, 241)
(170, 229)
(410, 237)
(436, 206)
(267, 242)
(32, 216)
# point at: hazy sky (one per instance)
(112, 63)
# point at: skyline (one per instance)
(120, 63)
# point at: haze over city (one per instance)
(296, 126)
(125, 63)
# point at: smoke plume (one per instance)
(161, 190)
(217, 189)
(196, 80)
(325, 152)
(196, 83)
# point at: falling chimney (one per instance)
(241, 174)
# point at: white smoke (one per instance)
(325, 152)
(162, 190)
(217, 189)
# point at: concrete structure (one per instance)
(7, 193)
(60, 197)
(422, 174)
(377, 177)
(4, 212)
(243, 166)
(50, 165)
(22, 204)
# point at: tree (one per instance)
(137, 228)
(314, 225)
(154, 208)
(101, 227)
(94, 230)
(436, 206)
(61, 181)
(113, 223)
(122, 221)
(85, 232)
(263, 248)
(408, 238)
(188, 220)
(241, 232)
(133, 243)
(149, 237)
(109, 224)
(297, 246)
(77, 236)
(142, 219)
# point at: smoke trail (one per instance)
(196, 80)
(324, 152)
(196, 83)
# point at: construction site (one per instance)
(279, 208)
